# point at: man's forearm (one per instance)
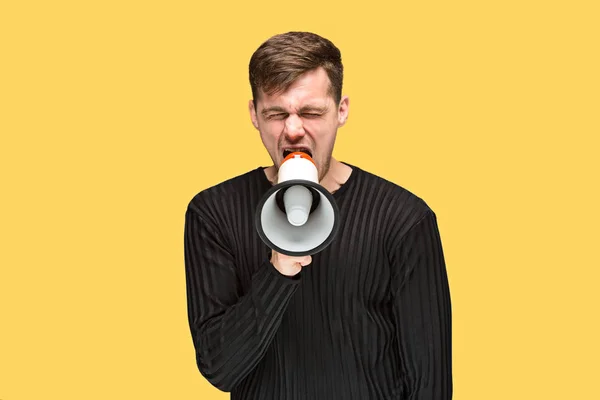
(231, 331)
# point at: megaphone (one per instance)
(297, 216)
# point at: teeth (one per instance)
(294, 150)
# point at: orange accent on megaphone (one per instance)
(301, 154)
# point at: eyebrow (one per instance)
(304, 109)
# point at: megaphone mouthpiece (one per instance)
(298, 166)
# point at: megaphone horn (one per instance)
(297, 216)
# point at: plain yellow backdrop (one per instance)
(114, 114)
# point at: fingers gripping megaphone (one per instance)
(297, 216)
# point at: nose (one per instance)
(293, 127)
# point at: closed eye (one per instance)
(277, 116)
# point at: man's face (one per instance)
(303, 117)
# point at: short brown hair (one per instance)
(279, 61)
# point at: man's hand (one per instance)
(288, 265)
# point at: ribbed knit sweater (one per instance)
(369, 318)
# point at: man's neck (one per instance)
(337, 175)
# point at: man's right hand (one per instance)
(288, 265)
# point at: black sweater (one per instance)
(369, 318)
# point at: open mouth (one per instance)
(287, 152)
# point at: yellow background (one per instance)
(114, 114)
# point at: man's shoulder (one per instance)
(395, 194)
(399, 207)
(212, 197)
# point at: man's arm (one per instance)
(423, 314)
(231, 330)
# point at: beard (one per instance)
(325, 168)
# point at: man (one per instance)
(369, 316)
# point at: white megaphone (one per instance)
(297, 216)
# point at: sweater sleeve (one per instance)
(422, 312)
(231, 330)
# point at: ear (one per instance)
(343, 110)
(252, 111)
